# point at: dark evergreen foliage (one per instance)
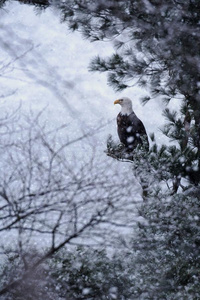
(167, 248)
(79, 274)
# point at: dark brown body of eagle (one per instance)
(130, 129)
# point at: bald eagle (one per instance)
(130, 129)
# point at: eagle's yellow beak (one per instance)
(117, 102)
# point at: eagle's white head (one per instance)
(126, 105)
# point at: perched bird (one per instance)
(130, 129)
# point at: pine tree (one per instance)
(163, 55)
(167, 243)
(156, 45)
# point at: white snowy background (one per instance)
(48, 67)
(43, 66)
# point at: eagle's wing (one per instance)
(131, 131)
(137, 125)
(139, 130)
